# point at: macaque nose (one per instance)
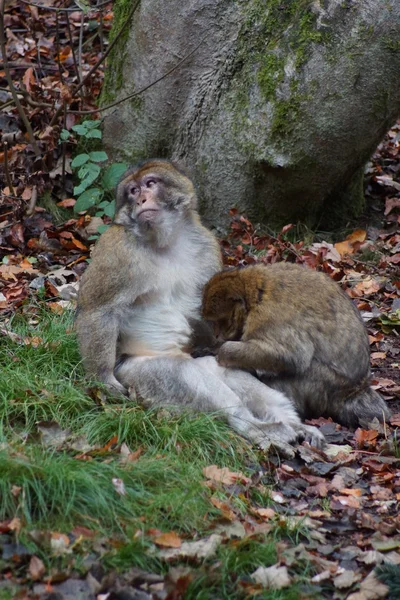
(141, 200)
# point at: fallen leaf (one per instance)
(168, 540)
(59, 543)
(36, 568)
(119, 486)
(224, 507)
(224, 475)
(265, 513)
(274, 577)
(51, 433)
(370, 589)
(346, 579)
(201, 550)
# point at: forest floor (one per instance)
(100, 499)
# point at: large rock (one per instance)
(276, 112)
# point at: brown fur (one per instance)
(301, 333)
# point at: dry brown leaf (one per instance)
(59, 543)
(36, 568)
(224, 475)
(274, 577)
(15, 525)
(224, 507)
(370, 589)
(346, 579)
(347, 246)
(168, 540)
(351, 491)
(202, 549)
(265, 513)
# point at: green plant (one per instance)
(95, 189)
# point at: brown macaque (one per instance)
(302, 335)
(141, 295)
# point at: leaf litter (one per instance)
(341, 502)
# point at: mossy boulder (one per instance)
(277, 110)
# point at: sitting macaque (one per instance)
(139, 303)
(302, 335)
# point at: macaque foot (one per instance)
(311, 434)
(114, 386)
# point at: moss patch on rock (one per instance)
(113, 78)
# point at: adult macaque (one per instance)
(301, 333)
(137, 302)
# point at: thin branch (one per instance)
(99, 62)
(143, 89)
(13, 91)
(60, 70)
(72, 48)
(6, 171)
(80, 49)
(32, 202)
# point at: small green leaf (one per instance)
(79, 129)
(113, 174)
(88, 173)
(64, 135)
(102, 228)
(93, 237)
(110, 209)
(99, 213)
(80, 188)
(87, 199)
(79, 160)
(94, 133)
(99, 156)
(104, 203)
(92, 124)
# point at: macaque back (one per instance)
(301, 333)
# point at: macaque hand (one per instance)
(230, 353)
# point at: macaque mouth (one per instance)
(147, 213)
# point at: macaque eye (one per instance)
(133, 189)
(150, 183)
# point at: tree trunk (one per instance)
(277, 110)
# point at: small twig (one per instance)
(101, 29)
(73, 50)
(99, 62)
(138, 92)
(58, 48)
(32, 202)
(25, 65)
(80, 49)
(13, 91)
(64, 148)
(6, 171)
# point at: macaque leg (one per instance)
(199, 384)
(269, 405)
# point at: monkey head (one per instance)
(155, 195)
(224, 305)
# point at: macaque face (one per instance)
(224, 311)
(153, 197)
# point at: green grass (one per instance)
(55, 488)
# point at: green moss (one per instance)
(275, 33)
(113, 78)
(393, 45)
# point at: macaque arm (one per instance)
(267, 356)
(98, 333)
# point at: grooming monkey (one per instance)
(301, 333)
(139, 297)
